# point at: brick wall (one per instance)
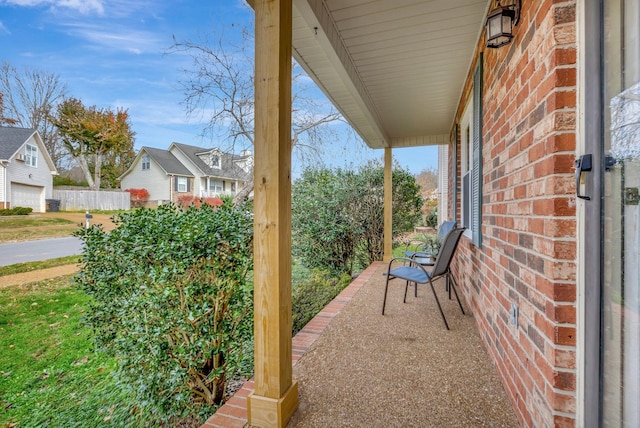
(528, 255)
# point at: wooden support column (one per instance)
(388, 205)
(275, 397)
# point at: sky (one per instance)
(114, 54)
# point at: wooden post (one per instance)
(275, 397)
(388, 205)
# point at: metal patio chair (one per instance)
(415, 272)
(420, 250)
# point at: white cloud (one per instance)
(82, 6)
(118, 38)
(4, 29)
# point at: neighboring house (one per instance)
(187, 170)
(443, 184)
(26, 169)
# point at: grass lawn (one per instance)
(44, 264)
(49, 373)
(24, 228)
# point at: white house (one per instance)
(26, 169)
(187, 170)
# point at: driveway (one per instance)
(42, 249)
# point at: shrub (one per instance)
(16, 211)
(62, 180)
(138, 196)
(323, 223)
(172, 301)
(311, 295)
(432, 218)
(337, 215)
(406, 208)
(188, 200)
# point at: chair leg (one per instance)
(406, 286)
(454, 291)
(438, 303)
(386, 287)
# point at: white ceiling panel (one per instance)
(394, 68)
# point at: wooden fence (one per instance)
(81, 200)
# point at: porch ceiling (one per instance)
(394, 68)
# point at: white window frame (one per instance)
(146, 162)
(182, 184)
(466, 167)
(471, 162)
(218, 162)
(31, 155)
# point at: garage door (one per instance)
(27, 196)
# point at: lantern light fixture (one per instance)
(500, 23)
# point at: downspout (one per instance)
(4, 173)
(170, 188)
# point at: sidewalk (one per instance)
(36, 275)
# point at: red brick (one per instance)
(220, 421)
(561, 313)
(558, 100)
(565, 336)
(565, 381)
(563, 359)
(562, 142)
(564, 250)
(564, 56)
(563, 422)
(233, 411)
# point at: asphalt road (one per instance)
(43, 249)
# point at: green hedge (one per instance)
(311, 295)
(16, 211)
(173, 302)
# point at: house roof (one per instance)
(11, 139)
(228, 168)
(167, 161)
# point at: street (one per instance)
(43, 249)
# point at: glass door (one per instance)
(620, 265)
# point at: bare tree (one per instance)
(4, 120)
(31, 97)
(219, 87)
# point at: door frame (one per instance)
(590, 224)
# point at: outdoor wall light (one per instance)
(500, 23)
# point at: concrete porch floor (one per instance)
(358, 368)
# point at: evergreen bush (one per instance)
(16, 211)
(312, 294)
(172, 300)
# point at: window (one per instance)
(471, 161)
(31, 153)
(233, 187)
(146, 162)
(216, 186)
(182, 184)
(215, 161)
